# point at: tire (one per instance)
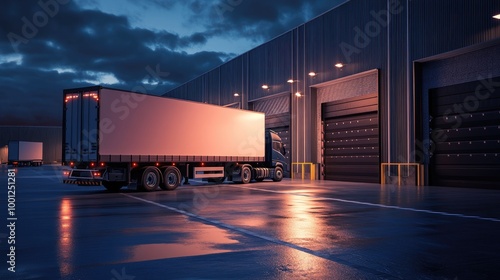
(171, 178)
(149, 179)
(112, 186)
(278, 174)
(246, 174)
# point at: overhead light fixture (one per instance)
(236, 94)
(312, 74)
(497, 16)
(290, 81)
(265, 87)
(298, 94)
(339, 65)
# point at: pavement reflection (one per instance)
(206, 239)
(65, 244)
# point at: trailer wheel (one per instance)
(112, 186)
(278, 174)
(246, 174)
(150, 179)
(171, 178)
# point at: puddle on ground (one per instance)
(203, 240)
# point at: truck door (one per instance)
(81, 133)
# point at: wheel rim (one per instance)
(172, 179)
(151, 180)
(246, 174)
(278, 174)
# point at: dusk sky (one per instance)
(50, 45)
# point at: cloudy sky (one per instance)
(50, 45)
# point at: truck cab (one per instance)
(275, 151)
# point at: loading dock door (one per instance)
(351, 139)
(280, 124)
(277, 110)
(465, 130)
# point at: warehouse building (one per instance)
(378, 90)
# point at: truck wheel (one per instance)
(246, 174)
(150, 179)
(112, 186)
(171, 178)
(278, 174)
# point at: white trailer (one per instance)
(25, 153)
(117, 138)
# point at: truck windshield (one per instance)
(278, 147)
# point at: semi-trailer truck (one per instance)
(25, 153)
(118, 138)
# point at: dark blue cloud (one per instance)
(47, 48)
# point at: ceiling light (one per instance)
(497, 16)
(339, 65)
(290, 81)
(265, 86)
(298, 94)
(236, 94)
(312, 74)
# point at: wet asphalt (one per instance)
(287, 230)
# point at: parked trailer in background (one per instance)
(118, 138)
(24, 153)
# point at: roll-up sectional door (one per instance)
(351, 139)
(465, 134)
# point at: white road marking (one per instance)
(376, 205)
(230, 227)
(220, 224)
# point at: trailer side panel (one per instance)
(149, 128)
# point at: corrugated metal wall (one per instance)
(270, 64)
(388, 35)
(445, 25)
(231, 75)
(50, 136)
